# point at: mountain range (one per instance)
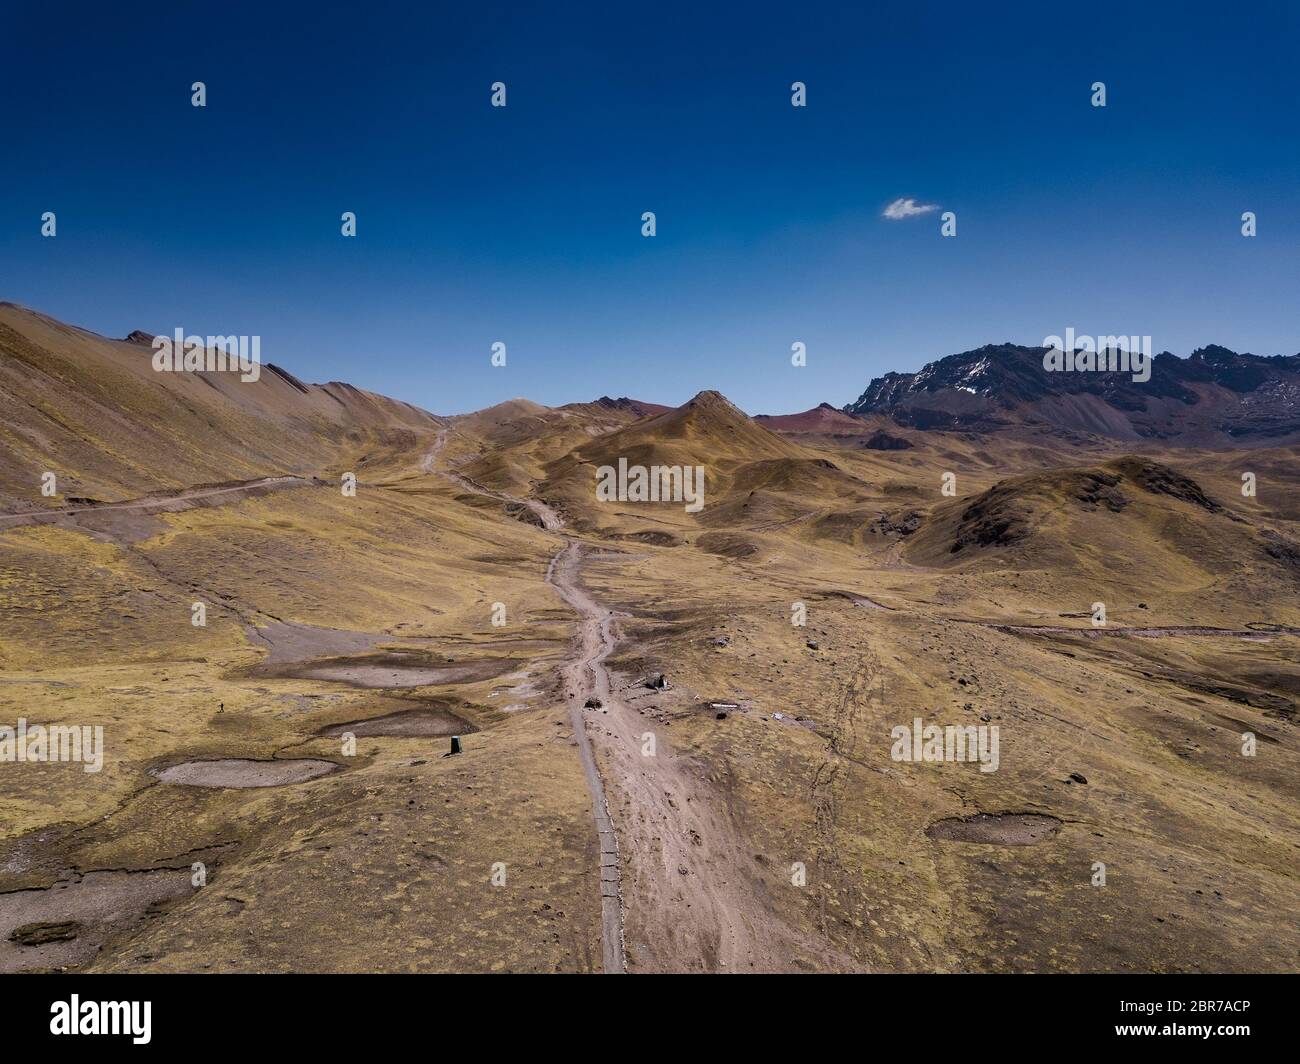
(1214, 397)
(673, 727)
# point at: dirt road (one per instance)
(585, 677)
(550, 520)
(161, 502)
(698, 902)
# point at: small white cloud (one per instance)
(906, 207)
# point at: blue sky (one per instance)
(523, 224)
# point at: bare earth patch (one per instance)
(406, 723)
(238, 772)
(397, 670)
(289, 642)
(66, 924)
(996, 829)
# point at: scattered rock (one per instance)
(883, 441)
(40, 934)
(1161, 480)
(1078, 777)
(901, 524)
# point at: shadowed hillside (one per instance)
(1215, 397)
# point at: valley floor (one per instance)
(746, 816)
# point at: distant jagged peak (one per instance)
(139, 336)
(635, 406)
(1219, 356)
(1213, 353)
(1214, 395)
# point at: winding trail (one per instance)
(550, 520)
(1262, 634)
(161, 502)
(584, 677)
(700, 906)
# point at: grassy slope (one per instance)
(385, 866)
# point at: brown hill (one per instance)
(506, 447)
(707, 427)
(823, 418)
(1131, 523)
(754, 477)
(635, 408)
(379, 613)
(96, 413)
